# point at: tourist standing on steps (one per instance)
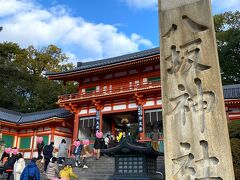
(40, 164)
(77, 151)
(99, 143)
(31, 171)
(48, 154)
(40, 145)
(62, 152)
(18, 166)
(10, 163)
(86, 152)
(6, 155)
(52, 169)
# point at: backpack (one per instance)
(31, 177)
(47, 150)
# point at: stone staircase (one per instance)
(97, 169)
(100, 169)
(103, 168)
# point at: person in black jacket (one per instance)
(9, 165)
(39, 149)
(48, 154)
(99, 143)
(4, 155)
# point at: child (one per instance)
(52, 169)
(67, 173)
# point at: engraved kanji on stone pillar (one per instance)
(195, 125)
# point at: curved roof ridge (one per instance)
(231, 91)
(111, 60)
(19, 118)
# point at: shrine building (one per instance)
(21, 129)
(123, 88)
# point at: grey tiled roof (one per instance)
(20, 118)
(113, 60)
(231, 91)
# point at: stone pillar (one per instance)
(195, 126)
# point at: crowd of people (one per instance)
(46, 164)
(13, 163)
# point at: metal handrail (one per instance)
(122, 89)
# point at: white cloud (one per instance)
(141, 4)
(220, 6)
(30, 24)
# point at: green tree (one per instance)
(23, 86)
(227, 26)
(234, 133)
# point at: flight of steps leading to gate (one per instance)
(100, 169)
(103, 168)
(97, 169)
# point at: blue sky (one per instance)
(87, 29)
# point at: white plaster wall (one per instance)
(107, 108)
(84, 111)
(58, 139)
(97, 88)
(159, 102)
(149, 103)
(27, 155)
(92, 110)
(132, 105)
(35, 154)
(118, 107)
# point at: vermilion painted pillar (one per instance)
(75, 126)
(113, 128)
(17, 139)
(33, 143)
(52, 134)
(101, 123)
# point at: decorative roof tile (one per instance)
(231, 91)
(109, 61)
(21, 118)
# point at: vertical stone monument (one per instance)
(195, 127)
